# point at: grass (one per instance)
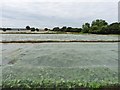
(64, 85)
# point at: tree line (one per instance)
(98, 26)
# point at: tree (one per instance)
(113, 28)
(85, 28)
(33, 29)
(69, 29)
(94, 29)
(37, 29)
(8, 29)
(46, 29)
(99, 22)
(99, 25)
(64, 28)
(4, 29)
(28, 27)
(56, 29)
(79, 29)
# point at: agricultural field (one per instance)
(85, 37)
(65, 65)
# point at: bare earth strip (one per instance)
(52, 41)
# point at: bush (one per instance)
(46, 29)
(56, 29)
(4, 29)
(37, 29)
(28, 27)
(33, 29)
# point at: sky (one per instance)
(53, 13)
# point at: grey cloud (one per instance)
(50, 14)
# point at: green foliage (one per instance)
(113, 28)
(99, 23)
(86, 28)
(97, 26)
(4, 29)
(46, 29)
(33, 29)
(100, 26)
(67, 29)
(28, 27)
(8, 29)
(56, 29)
(70, 29)
(64, 28)
(37, 29)
(50, 84)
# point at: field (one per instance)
(87, 37)
(65, 65)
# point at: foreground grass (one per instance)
(58, 85)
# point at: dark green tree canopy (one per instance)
(97, 26)
(113, 28)
(28, 27)
(32, 29)
(46, 29)
(56, 29)
(85, 28)
(37, 29)
(99, 23)
(64, 28)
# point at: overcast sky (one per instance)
(51, 13)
